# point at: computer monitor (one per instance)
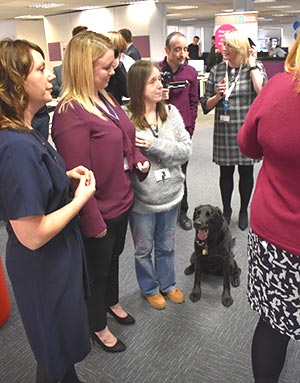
(197, 64)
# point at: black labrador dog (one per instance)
(213, 252)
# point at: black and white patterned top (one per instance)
(225, 148)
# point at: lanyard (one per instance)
(110, 108)
(154, 127)
(154, 130)
(232, 85)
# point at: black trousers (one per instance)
(184, 202)
(102, 255)
(269, 348)
(69, 377)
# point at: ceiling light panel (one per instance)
(279, 6)
(45, 5)
(183, 7)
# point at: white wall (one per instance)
(8, 29)
(287, 35)
(33, 30)
(208, 33)
(100, 20)
(158, 32)
(145, 20)
(141, 21)
(59, 28)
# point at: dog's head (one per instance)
(207, 219)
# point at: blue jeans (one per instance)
(154, 230)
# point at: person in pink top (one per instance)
(90, 127)
(272, 130)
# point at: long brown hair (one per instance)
(16, 62)
(137, 78)
(292, 62)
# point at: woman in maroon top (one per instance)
(272, 130)
(90, 128)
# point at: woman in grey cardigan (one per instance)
(165, 142)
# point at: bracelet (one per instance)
(253, 67)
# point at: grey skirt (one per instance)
(274, 285)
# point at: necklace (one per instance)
(153, 127)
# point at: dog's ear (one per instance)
(196, 210)
(218, 210)
(195, 213)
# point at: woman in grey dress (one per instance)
(231, 88)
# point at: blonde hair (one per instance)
(118, 40)
(292, 62)
(240, 43)
(78, 78)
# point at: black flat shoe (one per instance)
(118, 347)
(127, 320)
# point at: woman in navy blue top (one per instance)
(44, 254)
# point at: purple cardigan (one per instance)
(185, 99)
(83, 138)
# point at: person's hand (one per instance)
(221, 88)
(76, 173)
(252, 57)
(102, 234)
(86, 187)
(142, 141)
(165, 94)
(143, 166)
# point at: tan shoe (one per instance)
(157, 301)
(176, 296)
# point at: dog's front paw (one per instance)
(195, 295)
(235, 281)
(190, 269)
(227, 299)
(235, 278)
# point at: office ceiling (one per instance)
(270, 12)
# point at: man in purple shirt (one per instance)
(183, 94)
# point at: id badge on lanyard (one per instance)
(225, 117)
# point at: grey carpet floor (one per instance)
(200, 342)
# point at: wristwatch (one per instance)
(253, 67)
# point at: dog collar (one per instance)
(204, 247)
